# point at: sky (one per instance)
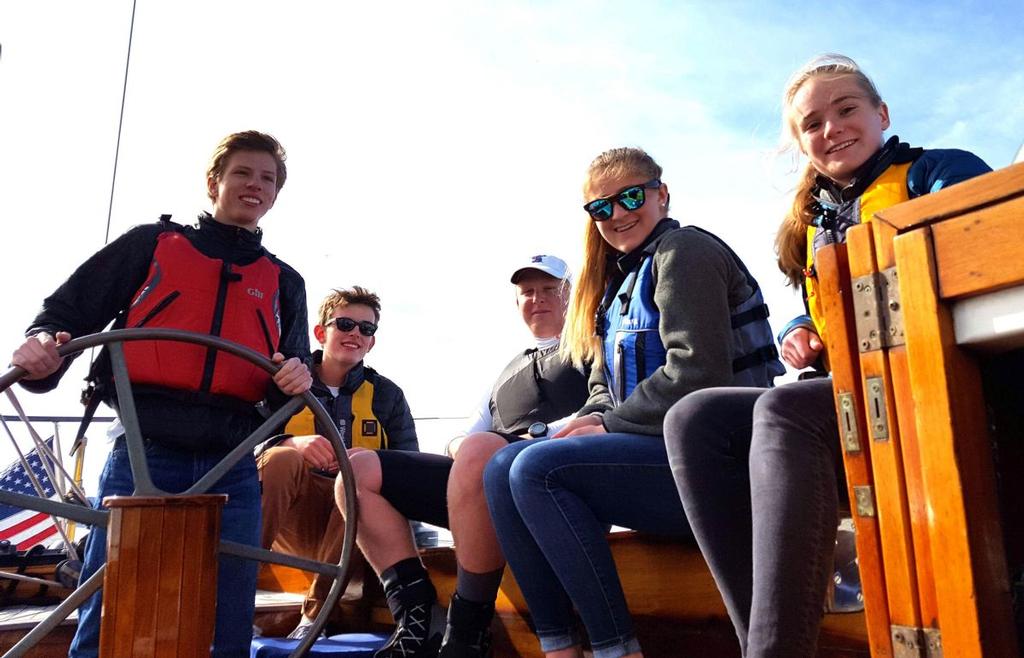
(434, 146)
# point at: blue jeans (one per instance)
(758, 472)
(174, 471)
(552, 500)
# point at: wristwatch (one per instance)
(537, 430)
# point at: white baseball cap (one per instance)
(550, 265)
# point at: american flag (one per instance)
(26, 528)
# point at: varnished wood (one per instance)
(672, 596)
(964, 526)
(54, 645)
(980, 251)
(903, 432)
(887, 462)
(917, 499)
(159, 592)
(990, 189)
(841, 345)
(172, 546)
(279, 578)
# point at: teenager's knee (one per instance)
(280, 470)
(366, 475)
(692, 412)
(780, 402)
(472, 457)
(281, 464)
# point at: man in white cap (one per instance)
(537, 389)
(517, 401)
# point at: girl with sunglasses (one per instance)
(655, 310)
(757, 470)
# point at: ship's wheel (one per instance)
(144, 484)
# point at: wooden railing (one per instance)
(917, 449)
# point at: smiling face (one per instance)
(246, 189)
(837, 125)
(542, 300)
(627, 229)
(346, 348)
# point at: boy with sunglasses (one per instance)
(297, 468)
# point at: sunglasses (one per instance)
(346, 325)
(630, 198)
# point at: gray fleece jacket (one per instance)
(697, 282)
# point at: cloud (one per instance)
(432, 144)
(986, 112)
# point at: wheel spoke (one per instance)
(80, 513)
(54, 619)
(130, 419)
(262, 433)
(273, 557)
(341, 575)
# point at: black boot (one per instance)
(468, 633)
(413, 603)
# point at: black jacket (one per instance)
(102, 288)
(388, 407)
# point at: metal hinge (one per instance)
(864, 500)
(911, 642)
(848, 422)
(877, 311)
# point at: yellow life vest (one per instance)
(888, 189)
(366, 431)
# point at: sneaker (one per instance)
(418, 634)
(302, 630)
(468, 631)
(459, 645)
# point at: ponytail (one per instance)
(791, 240)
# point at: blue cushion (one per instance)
(353, 645)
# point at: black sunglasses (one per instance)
(629, 198)
(346, 325)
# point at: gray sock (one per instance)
(478, 587)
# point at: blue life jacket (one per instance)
(627, 320)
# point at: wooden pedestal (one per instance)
(160, 587)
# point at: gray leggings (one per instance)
(758, 472)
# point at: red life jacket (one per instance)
(187, 290)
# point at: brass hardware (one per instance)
(878, 418)
(932, 642)
(848, 422)
(911, 642)
(878, 313)
(865, 500)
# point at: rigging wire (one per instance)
(79, 449)
(120, 124)
(117, 147)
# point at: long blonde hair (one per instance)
(580, 342)
(791, 239)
